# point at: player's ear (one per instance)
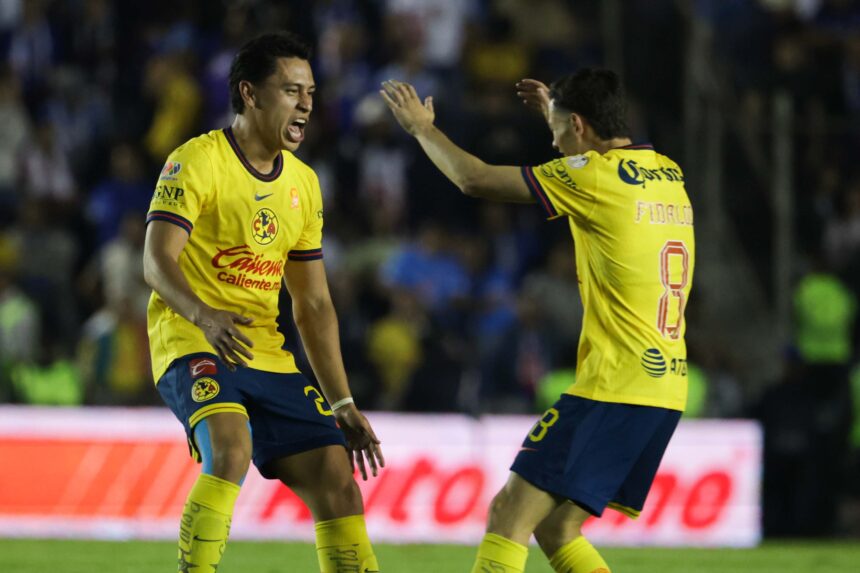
(577, 123)
(248, 93)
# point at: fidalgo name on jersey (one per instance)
(659, 213)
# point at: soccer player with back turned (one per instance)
(234, 215)
(601, 443)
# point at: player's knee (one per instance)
(553, 536)
(337, 497)
(500, 508)
(230, 461)
(345, 498)
(354, 503)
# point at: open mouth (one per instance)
(296, 130)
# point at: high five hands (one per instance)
(412, 115)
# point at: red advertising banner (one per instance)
(124, 473)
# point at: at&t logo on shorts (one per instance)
(204, 389)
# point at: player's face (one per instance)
(285, 101)
(566, 134)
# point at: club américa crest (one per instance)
(265, 226)
(204, 389)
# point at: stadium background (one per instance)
(448, 304)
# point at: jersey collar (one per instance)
(636, 146)
(276, 168)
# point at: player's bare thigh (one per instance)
(323, 479)
(563, 525)
(518, 508)
(230, 439)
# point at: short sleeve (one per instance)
(309, 245)
(183, 186)
(564, 186)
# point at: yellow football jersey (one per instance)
(243, 226)
(632, 225)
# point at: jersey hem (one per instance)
(632, 400)
(276, 364)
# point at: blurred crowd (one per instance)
(445, 303)
(808, 50)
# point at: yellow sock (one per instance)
(206, 524)
(500, 555)
(343, 546)
(578, 556)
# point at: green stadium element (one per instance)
(37, 556)
(824, 312)
(552, 386)
(56, 384)
(697, 391)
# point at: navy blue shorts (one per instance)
(597, 454)
(287, 414)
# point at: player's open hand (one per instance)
(410, 112)
(219, 327)
(362, 443)
(534, 94)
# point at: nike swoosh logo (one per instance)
(528, 449)
(261, 197)
(196, 538)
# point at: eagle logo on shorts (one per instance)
(204, 389)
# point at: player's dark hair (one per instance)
(257, 60)
(598, 96)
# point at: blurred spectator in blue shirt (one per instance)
(31, 46)
(431, 271)
(124, 191)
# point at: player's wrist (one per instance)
(197, 314)
(422, 129)
(342, 403)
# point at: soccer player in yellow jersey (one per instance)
(234, 215)
(601, 443)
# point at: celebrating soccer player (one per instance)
(601, 443)
(234, 215)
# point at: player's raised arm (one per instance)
(316, 320)
(473, 176)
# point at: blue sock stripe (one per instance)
(204, 446)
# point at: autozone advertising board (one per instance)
(112, 473)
